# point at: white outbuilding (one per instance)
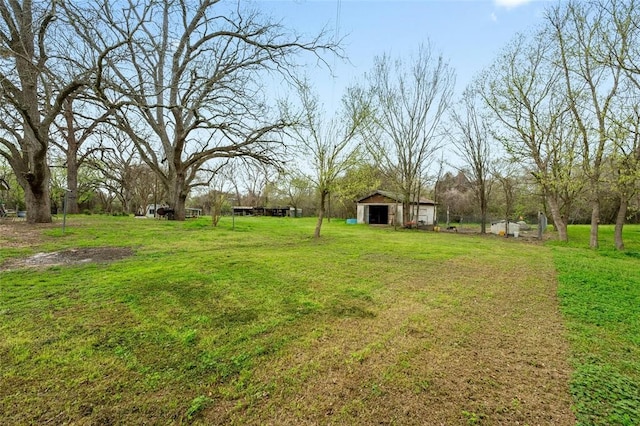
(383, 207)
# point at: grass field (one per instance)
(600, 297)
(185, 323)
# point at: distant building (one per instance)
(266, 211)
(190, 212)
(151, 209)
(383, 207)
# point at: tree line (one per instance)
(165, 100)
(182, 81)
(562, 100)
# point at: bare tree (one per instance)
(79, 123)
(296, 189)
(35, 81)
(506, 173)
(592, 84)
(524, 91)
(624, 162)
(621, 49)
(191, 75)
(410, 101)
(123, 174)
(472, 141)
(217, 196)
(256, 179)
(329, 145)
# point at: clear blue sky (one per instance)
(468, 33)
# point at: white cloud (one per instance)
(494, 17)
(509, 4)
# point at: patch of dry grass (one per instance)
(462, 342)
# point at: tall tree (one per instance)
(472, 141)
(506, 174)
(296, 190)
(524, 91)
(356, 183)
(621, 48)
(256, 180)
(329, 145)
(122, 174)
(624, 162)
(35, 81)
(411, 99)
(592, 84)
(79, 123)
(187, 82)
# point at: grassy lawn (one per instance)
(600, 298)
(264, 325)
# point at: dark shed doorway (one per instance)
(378, 215)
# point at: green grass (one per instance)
(194, 310)
(183, 330)
(600, 297)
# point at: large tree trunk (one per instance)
(29, 93)
(178, 196)
(323, 198)
(620, 220)
(483, 212)
(35, 178)
(405, 214)
(559, 221)
(406, 209)
(178, 201)
(179, 207)
(37, 199)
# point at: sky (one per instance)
(469, 33)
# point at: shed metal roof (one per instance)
(394, 196)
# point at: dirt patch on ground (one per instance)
(20, 234)
(16, 234)
(69, 257)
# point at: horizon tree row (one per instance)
(180, 87)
